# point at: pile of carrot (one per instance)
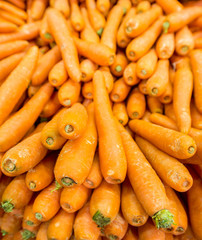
(100, 120)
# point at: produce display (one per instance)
(100, 120)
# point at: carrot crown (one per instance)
(99, 32)
(112, 237)
(29, 223)
(3, 232)
(100, 220)
(26, 234)
(57, 186)
(163, 219)
(66, 181)
(7, 206)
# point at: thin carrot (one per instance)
(47, 203)
(42, 232)
(129, 74)
(139, 46)
(196, 117)
(147, 189)
(172, 6)
(13, 9)
(143, 6)
(84, 227)
(64, 40)
(87, 90)
(61, 225)
(165, 46)
(154, 105)
(69, 92)
(58, 74)
(7, 26)
(34, 179)
(11, 18)
(120, 91)
(103, 6)
(131, 234)
(120, 112)
(45, 32)
(38, 9)
(62, 6)
(112, 156)
(105, 203)
(119, 64)
(29, 218)
(131, 208)
(76, 17)
(10, 224)
(142, 86)
(87, 70)
(16, 199)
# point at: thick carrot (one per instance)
(62, 6)
(139, 23)
(196, 60)
(38, 8)
(13, 9)
(196, 117)
(131, 234)
(154, 105)
(95, 176)
(147, 189)
(139, 46)
(61, 225)
(112, 156)
(129, 74)
(26, 32)
(142, 86)
(69, 92)
(11, 18)
(136, 104)
(97, 52)
(87, 70)
(84, 227)
(103, 6)
(16, 195)
(120, 91)
(80, 158)
(40, 176)
(10, 224)
(87, 90)
(172, 6)
(44, 65)
(64, 40)
(29, 218)
(42, 232)
(47, 203)
(165, 46)
(17, 82)
(73, 199)
(131, 208)
(119, 64)
(116, 229)
(172, 142)
(120, 112)
(17, 125)
(7, 26)
(105, 203)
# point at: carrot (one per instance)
(76, 17)
(131, 208)
(45, 32)
(139, 46)
(24, 234)
(87, 70)
(77, 168)
(38, 8)
(84, 227)
(163, 120)
(116, 229)
(172, 6)
(87, 90)
(20, 122)
(97, 52)
(120, 112)
(29, 218)
(154, 105)
(69, 92)
(177, 20)
(147, 189)
(143, 6)
(64, 40)
(131, 234)
(26, 32)
(112, 156)
(109, 80)
(114, 18)
(32, 90)
(187, 235)
(46, 204)
(13, 9)
(11, 18)
(119, 65)
(105, 203)
(120, 91)
(62, 6)
(7, 26)
(16, 199)
(42, 232)
(10, 224)
(103, 6)
(139, 23)
(142, 86)
(96, 18)
(18, 3)
(146, 65)
(129, 74)
(136, 104)
(88, 33)
(196, 59)
(61, 225)
(167, 96)
(196, 117)
(165, 46)
(3, 184)
(122, 38)
(125, 4)
(17, 82)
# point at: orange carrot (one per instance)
(38, 8)
(87, 69)
(29, 218)
(42, 232)
(10, 224)
(129, 74)
(196, 117)
(20, 122)
(120, 91)
(87, 90)
(165, 46)
(125, 4)
(131, 208)
(172, 6)
(119, 65)
(112, 156)
(154, 105)
(167, 96)
(64, 40)
(109, 80)
(143, 6)
(13, 9)
(103, 6)
(62, 6)
(11, 18)
(45, 32)
(7, 26)
(163, 120)
(131, 234)
(120, 112)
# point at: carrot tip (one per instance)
(48, 36)
(154, 91)
(121, 121)
(163, 219)
(166, 98)
(124, 10)
(3, 232)
(130, 79)
(7, 206)
(138, 219)
(118, 68)
(144, 72)
(180, 229)
(54, 81)
(83, 75)
(32, 185)
(29, 223)
(112, 237)
(129, 29)
(8, 165)
(67, 206)
(185, 184)
(135, 114)
(191, 149)
(67, 102)
(115, 96)
(185, 49)
(26, 234)
(99, 32)
(69, 128)
(132, 54)
(122, 43)
(38, 216)
(66, 181)
(166, 25)
(49, 141)
(89, 182)
(100, 220)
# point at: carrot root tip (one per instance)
(135, 114)
(48, 36)
(7, 206)
(66, 181)
(32, 185)
(69, 128)
(115, 96)
(154, 91)
(8, 165)
(100, 220)
(29, 223)
(166, 26)
(191, 149)
(185, 49)
(180, 229)
(163, 219)
(26, 234)
(112, 237)
(144, 72)
(54, 81)
(67, 102)
(99, 32)
(118, 68)
(38, 216)
(3, 232)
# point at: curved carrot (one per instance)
(64, 40)
(120, 91)
(105, 203)
(69, 92)
(142, 86)
(165, 46)
(196, 117)
(147, 189)
(61, 225)
(131, 234)
(10, 224)
(136, 105)
(17, 82)
(34, 179)
(62, 6)
(38, 8)
(95, 176)
(20, 122)
(47, 204)
(42, 232)
(13, 9)
(154, 105)
(139, 46)
(109, 79)
(11, 18)
(112, 156)
(84, 227)
(172, 6)
(87, 70)
(131, 208)
(120, 112)
(7, 26)
(76, 17)
(119, 64)
(103, 6)
(87, 90)
(129, 74)
(29, 217)
(16, 199)
(143, 6)
(80, 158)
